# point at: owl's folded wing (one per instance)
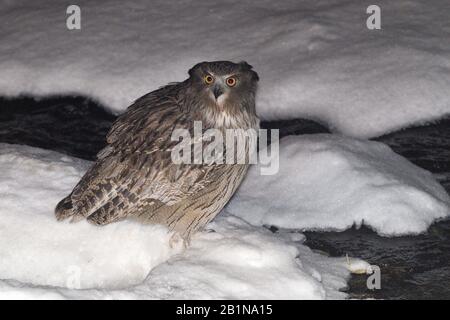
(135, 172)
(112, 189)
(146, 116)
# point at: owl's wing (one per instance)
(135, 170)
(113, 190)
(145, 115)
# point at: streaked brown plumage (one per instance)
(134, 175)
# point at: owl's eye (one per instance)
(208, 79)
(231, 82)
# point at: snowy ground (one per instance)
(329, 182)
(316, 59)
(41, 258)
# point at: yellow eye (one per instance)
(231, 82)
(208, 79)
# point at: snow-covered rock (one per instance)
(42, 258)
(316, 59)
(329, 182)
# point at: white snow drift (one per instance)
(237, 261)
(316, 59)
(329, 182)
(34, 248)
(42, 258)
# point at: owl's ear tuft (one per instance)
(247, 67)
(192, 71)
(255, 76)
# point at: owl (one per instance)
(135, 176)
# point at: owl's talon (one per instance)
(175, 241)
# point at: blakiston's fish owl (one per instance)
(134, 175)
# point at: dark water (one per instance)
(72, 125)
(412, 267)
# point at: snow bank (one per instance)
(42, 258)
(325, 182)
(236, 261)
(329, 182)
(38, 250)
(316, 59)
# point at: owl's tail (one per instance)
(64, 208)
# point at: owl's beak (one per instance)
(217, 91)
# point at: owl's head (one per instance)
(224, 84)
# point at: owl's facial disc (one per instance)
(219, 87)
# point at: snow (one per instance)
(325, 182)
(32, 181)
(332, 182)
(316, 59)
(45, 259)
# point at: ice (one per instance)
(316, 59)
(331, 182)
(45, 259)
